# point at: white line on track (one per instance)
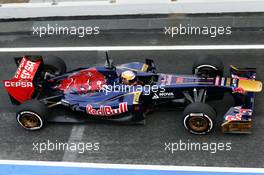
(120, 48)
(131, 166)
(75, 137)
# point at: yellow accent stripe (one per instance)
(225, 123)
(228, 82)
(144, 68)
(233, 67)
(136, 97)
(250, 85)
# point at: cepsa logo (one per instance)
(18, 84)
(107, 110)
(25, 69)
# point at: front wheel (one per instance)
(32, 115)
(208, 67)
(198, 118)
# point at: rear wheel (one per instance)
(32, 115)
(13, 100)
(54, 65)
(198, 118)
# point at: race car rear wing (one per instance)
(21, 87)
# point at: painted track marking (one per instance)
(131, 48)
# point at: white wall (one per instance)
(128, 7)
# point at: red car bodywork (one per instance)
(21, 86)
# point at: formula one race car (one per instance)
(41, 84)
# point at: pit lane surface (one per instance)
(136, 144)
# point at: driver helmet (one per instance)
(128, 77)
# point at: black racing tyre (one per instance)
(54, 65)
(208, 67)
(32, 115)
(13, 100)
(198, 118)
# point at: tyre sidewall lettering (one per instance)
(187, 118)
(20, 114)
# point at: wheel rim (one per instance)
(198, 124)
(29, 121)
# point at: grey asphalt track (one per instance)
(137, 144)
(129, 38)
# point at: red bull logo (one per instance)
(107, 110)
